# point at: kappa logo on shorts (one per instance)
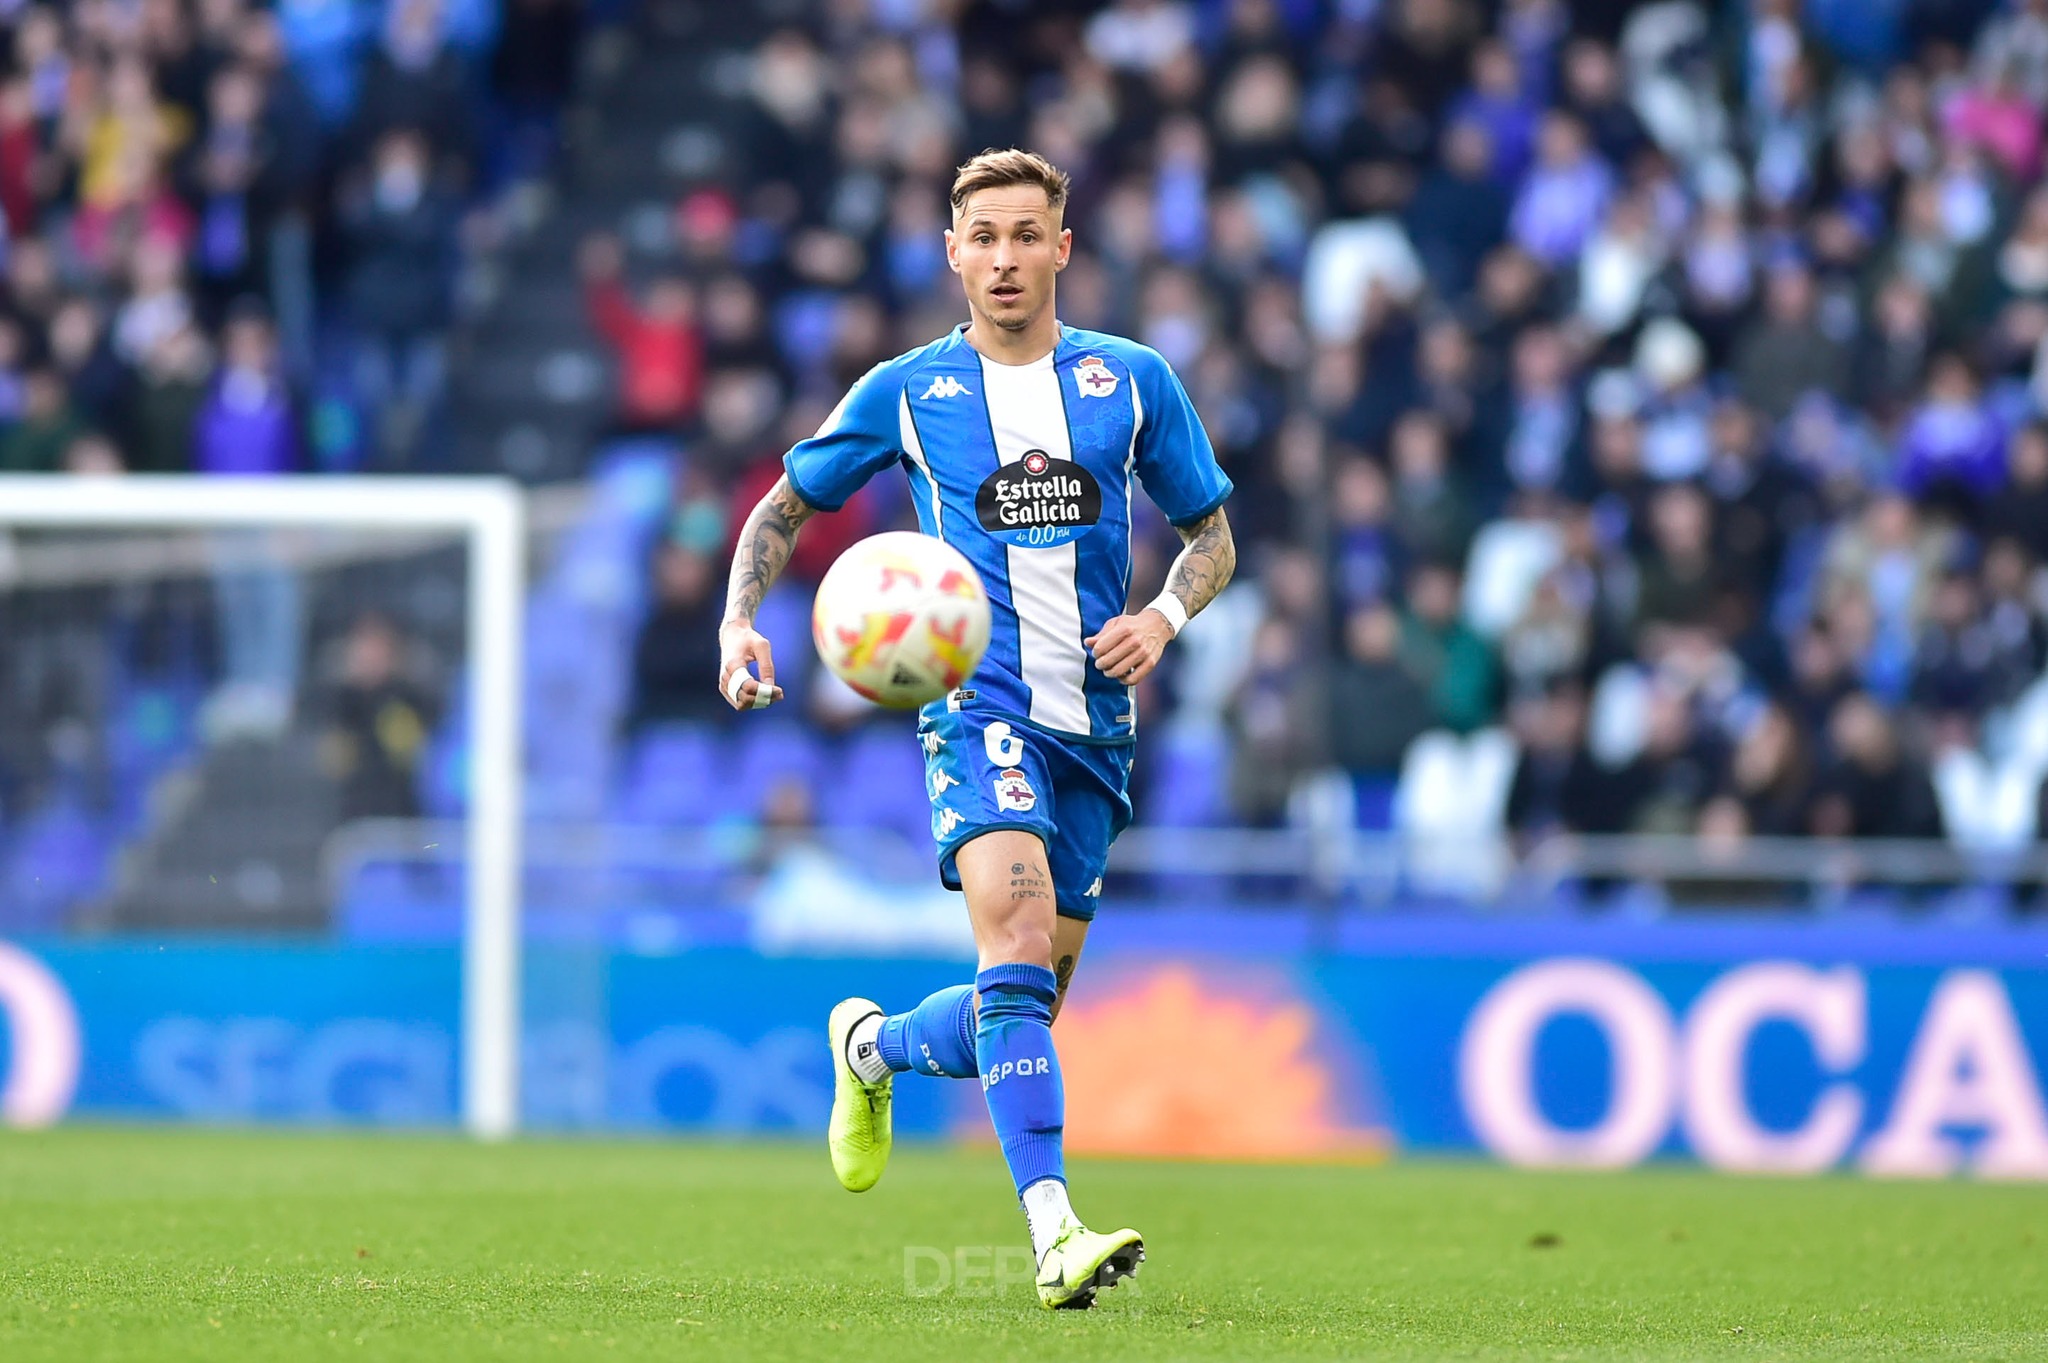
(1093, 890)
(946, 386)
(1093, 378)
(932, 742)
(1014, 792)
(950, 819)
(943, 781)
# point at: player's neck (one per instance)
(1028, 346)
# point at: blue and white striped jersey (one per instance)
(1026, 469)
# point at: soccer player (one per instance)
(1020, 438)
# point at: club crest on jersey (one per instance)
(1093, 377)
(1039, 501)
(946, 386)
(1014, 792)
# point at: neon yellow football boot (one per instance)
(1082, 1261)
(860, 1132)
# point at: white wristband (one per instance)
(1168, 605)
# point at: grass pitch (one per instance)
(168, 1245)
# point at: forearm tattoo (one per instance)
(1206, 561)
(766, 541)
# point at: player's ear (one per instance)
(952, 251)
(1059, 261)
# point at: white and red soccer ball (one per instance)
(901, 618)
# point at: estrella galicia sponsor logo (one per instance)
(1039, 501)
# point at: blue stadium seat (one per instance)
(770, 752)
(58, 857)
(1374, 796)
(674, 777)
(875, 779)
(1189, 781)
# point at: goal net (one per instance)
(201, 682)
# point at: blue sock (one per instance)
(936, 1037)
(1020, 1071)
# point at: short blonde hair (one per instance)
(1000, 169)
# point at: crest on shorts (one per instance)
(1093, 377)
(1013, 791)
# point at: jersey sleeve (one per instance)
(859, 440)
(1176, 463)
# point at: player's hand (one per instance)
(1129, 646)
(739, 644)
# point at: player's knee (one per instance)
(1018, 943)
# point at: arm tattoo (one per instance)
(766, 541)
(1205, 563)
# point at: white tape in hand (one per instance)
(764, 695)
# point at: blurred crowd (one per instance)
(1661, 382)
(232, 230)
(233, 242)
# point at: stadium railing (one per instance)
(596, 864)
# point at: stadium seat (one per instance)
(772, 752)
(875, 779)
(1373, 810)
(1189, 779)
(58, 857)
(673, 777)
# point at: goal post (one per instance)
(490, 515)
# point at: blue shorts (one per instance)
(984, 772)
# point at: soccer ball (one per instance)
(901, 618)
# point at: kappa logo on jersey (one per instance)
(949, 819)
(946, 386)
(1094, 378)
(932, 743)
(1039, 501)
(1014, 792)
